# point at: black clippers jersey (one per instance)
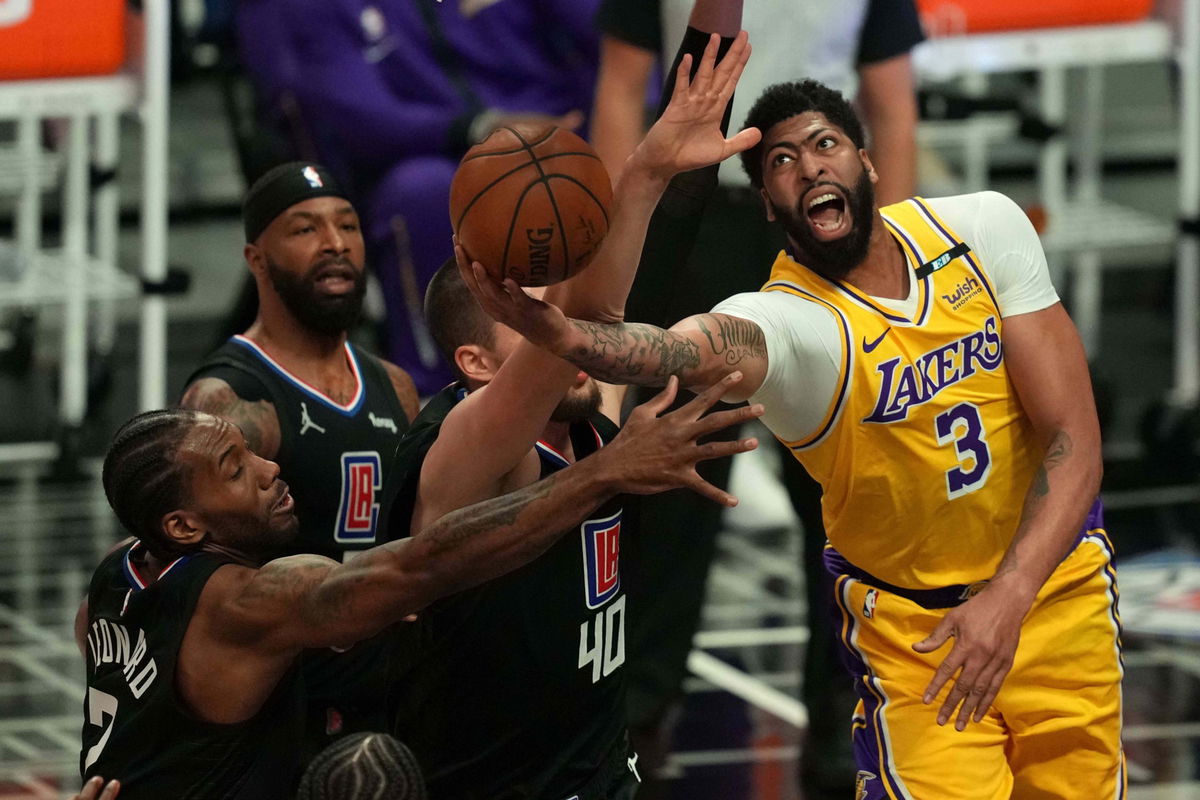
(136, 727)
(517, 690)
(334, 458)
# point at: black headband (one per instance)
(280, 189)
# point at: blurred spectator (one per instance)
(862, 48)
(390, 94)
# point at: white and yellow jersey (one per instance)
(907, 416)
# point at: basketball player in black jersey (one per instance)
(517, 690)
(191, 630)
(327, 412)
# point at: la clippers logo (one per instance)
(601, 559)
(358, 512)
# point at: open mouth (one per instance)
(825, 209)
(336, 279)
(285, 503)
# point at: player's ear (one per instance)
(256, 260)
(766, 198)
(868, 166)
(476, 363)
(184, 528)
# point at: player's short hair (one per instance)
(453, 315)
(785, 100)
(144, 480)
(363, 766)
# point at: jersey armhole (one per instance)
(841, 386)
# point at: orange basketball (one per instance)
(531, 205)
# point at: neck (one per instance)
(232, 553)
(278, 332)
(884, 272)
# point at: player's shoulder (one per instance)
(405, 388)
(775, 306)
(975, 212)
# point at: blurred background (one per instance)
(129, 132)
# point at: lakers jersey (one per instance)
(924, 454)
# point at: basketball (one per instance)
(531, 205)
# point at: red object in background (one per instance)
(59, 38)
(949, 17)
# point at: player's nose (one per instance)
(268, 472)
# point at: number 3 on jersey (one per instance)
(962, 426)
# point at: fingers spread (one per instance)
(661, 401)
(944, 672)
(711, 423)
(682, 77)
(706, 489)
(704, 75)
(707, 398)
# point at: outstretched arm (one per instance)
(699, 350)
(310, 601)
(532, 380)
(686, 137)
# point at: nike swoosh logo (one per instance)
(868, 347)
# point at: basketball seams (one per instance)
(491, 206)
(486, 188)
(548, 134)
(586, 189)
(562, 232)
(501, 178)
(512, 221)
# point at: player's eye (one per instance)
(780, 158)
(237, 473)
(826, 142)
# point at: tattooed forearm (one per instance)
(490, 516)
(633, 353)
(1060, 449)
(733, 339)
(1058, 452)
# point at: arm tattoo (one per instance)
(1057, 453)
(633, 353)
(455, 529)
(257, 419)
(735, 339)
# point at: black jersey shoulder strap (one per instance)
(373, 366)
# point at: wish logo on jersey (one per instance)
(601, 559)
(358, 512)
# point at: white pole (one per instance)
(1187, 268)
(156, 80)
(73, 365)
(107, 216)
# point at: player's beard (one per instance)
(579, 404)
(834, 259)
(314, 309)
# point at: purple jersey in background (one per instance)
(384, 93)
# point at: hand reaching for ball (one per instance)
(540, 322)
(688, 134)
